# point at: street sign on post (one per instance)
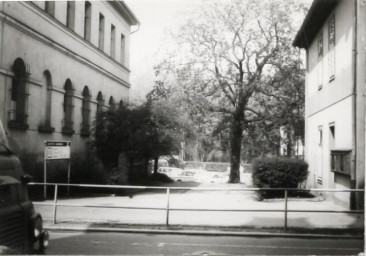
(56, 150)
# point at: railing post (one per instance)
(167, 206)
(286, 209)
(55, 205)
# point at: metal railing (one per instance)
(168, 209)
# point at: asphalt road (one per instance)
(100, 243)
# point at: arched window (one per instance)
(100, 105)
(47, 92)
(85, 113)
(121, 104)
(68, 108)
(19, 96)
(100, 102)
(112, 104)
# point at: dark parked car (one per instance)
(21, 228)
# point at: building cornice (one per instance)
(314, 20)
(125, 11)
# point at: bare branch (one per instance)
(261, 28)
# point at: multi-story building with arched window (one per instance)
(60, 62)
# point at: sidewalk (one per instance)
(140, 218)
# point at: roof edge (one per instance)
(314, 20)
(126, 12)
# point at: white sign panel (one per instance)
(57, 150)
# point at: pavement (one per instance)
(233, 222)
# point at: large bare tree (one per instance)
(228, 56)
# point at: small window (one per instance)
(123, 49)
(331, 46)
(70, 14)
(320, 129)
(85, 113)
(101, 32)
(320, 61)
(331, 136)
(112, 104)
(100, 103)
(50, 8)
(87, 21)
(113, 41)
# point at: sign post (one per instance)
(56, 150)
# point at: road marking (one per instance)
(246, 246)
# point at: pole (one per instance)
(285, 210)
(68, 177)
(45, 173)
(167, 206)
(55, 204)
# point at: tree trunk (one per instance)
(146, 166)
(156, 164)
(289, 142)
(131, 168)
(235, 144)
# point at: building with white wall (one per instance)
(333, 35)
(60, 63)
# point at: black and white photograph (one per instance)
(182, 127)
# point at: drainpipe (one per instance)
(354, 117)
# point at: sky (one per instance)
(157, 18)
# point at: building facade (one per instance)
(333, 35)
(61, 62)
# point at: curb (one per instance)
(196, 232)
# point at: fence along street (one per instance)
(222, 206)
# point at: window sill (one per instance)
(46, 129)
(67, 131)
(340, 172)
(18, 125)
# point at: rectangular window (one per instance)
(123, 49)
(341, 161)
(319, 157)
(320, 60)
(113, 41)
(70, 14)
(331, 47)
(87, 21)
(331, 136)
(101, 32)
(50, 8)
(320, 129)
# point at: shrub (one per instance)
(88, 170)
(278, 173)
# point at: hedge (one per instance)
(278, 172)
